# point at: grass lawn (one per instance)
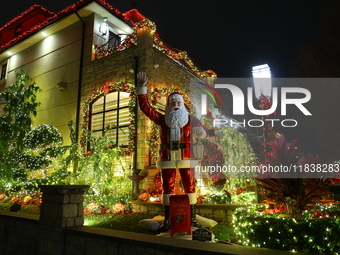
(222, 231)
(33, 209)
(130, 222)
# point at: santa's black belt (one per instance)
(174, 146)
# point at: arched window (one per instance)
(111, 112)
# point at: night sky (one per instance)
(229, 36)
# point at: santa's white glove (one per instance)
(142, 80)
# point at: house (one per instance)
(85, 59)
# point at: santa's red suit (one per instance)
(173, 154)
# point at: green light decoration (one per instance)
(311, 235)
(44, 135)
(237, 150)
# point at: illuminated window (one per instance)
(111, 112)
(3, 71)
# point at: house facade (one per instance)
(85, 60)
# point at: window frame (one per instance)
(103, 114)
(3, 74)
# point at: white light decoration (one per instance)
(262, 81)
(104, 28)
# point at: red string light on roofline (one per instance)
(53, 17)
(36, 6)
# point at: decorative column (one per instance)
(62, 205)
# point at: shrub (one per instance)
(316, 235)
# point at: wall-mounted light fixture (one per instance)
(104, 27)
(156, 65)
(62, 85)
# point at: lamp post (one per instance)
(263, 92)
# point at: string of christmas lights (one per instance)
(311, 235)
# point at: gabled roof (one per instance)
(29, 12)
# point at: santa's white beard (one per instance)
(176, 118)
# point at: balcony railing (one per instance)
(105, 50)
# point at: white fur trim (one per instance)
(166, 199)
(175, 134)
(175, 155)
(141, 90)
(192, 198)
(177, 164)
(176, 96)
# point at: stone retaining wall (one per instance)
(55, 234)
(21, 234)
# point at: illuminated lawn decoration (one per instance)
(311, 235)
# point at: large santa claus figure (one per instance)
(177, 131)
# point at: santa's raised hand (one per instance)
(142, 79)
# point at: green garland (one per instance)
(129, 41)
(181, 57)
(108, 88)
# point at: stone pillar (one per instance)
(144, 49)
(62, 205)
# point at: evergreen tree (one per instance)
(20, 106)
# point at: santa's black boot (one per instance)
(194, 221)
(165, 226)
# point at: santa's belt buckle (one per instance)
(174, 146)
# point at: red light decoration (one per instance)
(32, 8)
(54, 16)
(133, 16)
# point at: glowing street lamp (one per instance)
(263, 92)
(262, 81)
